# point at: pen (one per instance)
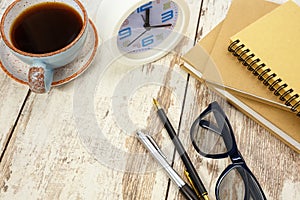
(155, 151)
(195, 179)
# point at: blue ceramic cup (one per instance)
(42, 65)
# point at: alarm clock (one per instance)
(142, 31)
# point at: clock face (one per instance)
(147, 27)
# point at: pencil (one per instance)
(195, 179)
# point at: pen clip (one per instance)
(191, 182)
(155, 146)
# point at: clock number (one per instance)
(124, 33)
(166, 16)
(144, 7)
(147, 41)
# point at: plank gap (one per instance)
(198, 23)
(14, 126)
(183, 102)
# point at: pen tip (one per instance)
(205, 197)
(155, 102)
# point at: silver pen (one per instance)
(155, 151)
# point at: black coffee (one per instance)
(46, 27)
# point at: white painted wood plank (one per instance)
(12, 95)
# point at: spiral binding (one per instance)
(259, 69)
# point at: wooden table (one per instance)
(78, 141)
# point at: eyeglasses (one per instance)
(212, 137)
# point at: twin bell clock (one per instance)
(142, 31)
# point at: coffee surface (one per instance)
(45, 27)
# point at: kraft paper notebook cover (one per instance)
(284, 124)
(269, 48)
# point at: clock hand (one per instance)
(147, 19)
(147, 22)
(137, 37)
(147, 26)
(159, 26)
(143, 19)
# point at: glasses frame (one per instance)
(236, 158)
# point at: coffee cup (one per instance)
(44, 34)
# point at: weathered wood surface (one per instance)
(77, 142)
(12, 96)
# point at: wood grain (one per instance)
(78, 142)
(12, 96)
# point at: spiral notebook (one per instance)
(269, 48)
(283, 124)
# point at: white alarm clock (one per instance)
(142, 31)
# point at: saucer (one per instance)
(18, 70)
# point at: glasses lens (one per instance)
(239, 184)
(212, 134)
